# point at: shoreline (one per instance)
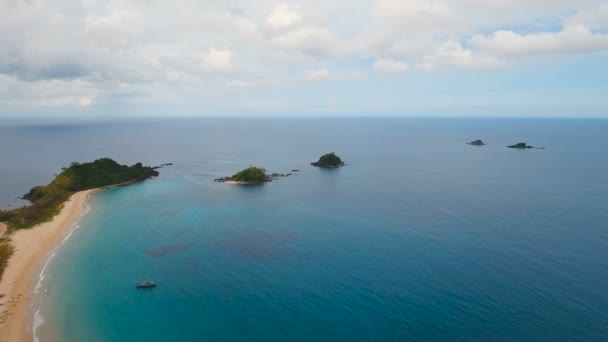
(32, 248)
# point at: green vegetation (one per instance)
(329, 160)
(251, 175)
(48, 200)
(6, 250)
(520, 145)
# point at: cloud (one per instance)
(452, 54)
(229, 22)
(390, 66)
(593, 19)
(572, 39)
(311, 40)
(240, 85)
(17, 93)
(86, 101)
(87, 53)
(217, 60)
(283, 16)
(334, 75)
(120, 20)
(316, 75)
(411, 8)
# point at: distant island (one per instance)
(476, 143)
(329, 160)
(251, 176)
(47, 200)
(521, 145)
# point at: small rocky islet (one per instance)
(252, 175)
(329, 160)
(477, 142)
(520, 146)
(523, 146)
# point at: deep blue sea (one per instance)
(419, 237)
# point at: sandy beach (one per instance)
(31, 248)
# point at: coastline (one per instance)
(32, 247)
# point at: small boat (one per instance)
(148, 284)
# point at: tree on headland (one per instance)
(47, 200)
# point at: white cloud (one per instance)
(336, 75)
(572, 39)
(228, 22)
(217, 60)
(411, 8)
(15, 93)
(283, 16)
(240, 85)
(86, 53)
(85, 102)
(594, 19)
(349, 74)
(316, 75)
(452, 54)
(120, 20)
(313, 40)
(390, 66)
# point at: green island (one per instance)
(521, 145)
(48, 200)
(251, 175)
(329, 160)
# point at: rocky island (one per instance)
(251, 176)
(476, 143)
(521, 146)
(329, 160)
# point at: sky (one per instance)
(87, 58)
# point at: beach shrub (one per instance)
(6, 250)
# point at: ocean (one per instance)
(418, 237)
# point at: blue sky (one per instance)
(91, 58)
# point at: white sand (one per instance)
(31, 248)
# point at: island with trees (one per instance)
(47, 200)
(521, 146)
(251, 176)
(476, 143)
(329, 160)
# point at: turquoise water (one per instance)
(419, 237)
